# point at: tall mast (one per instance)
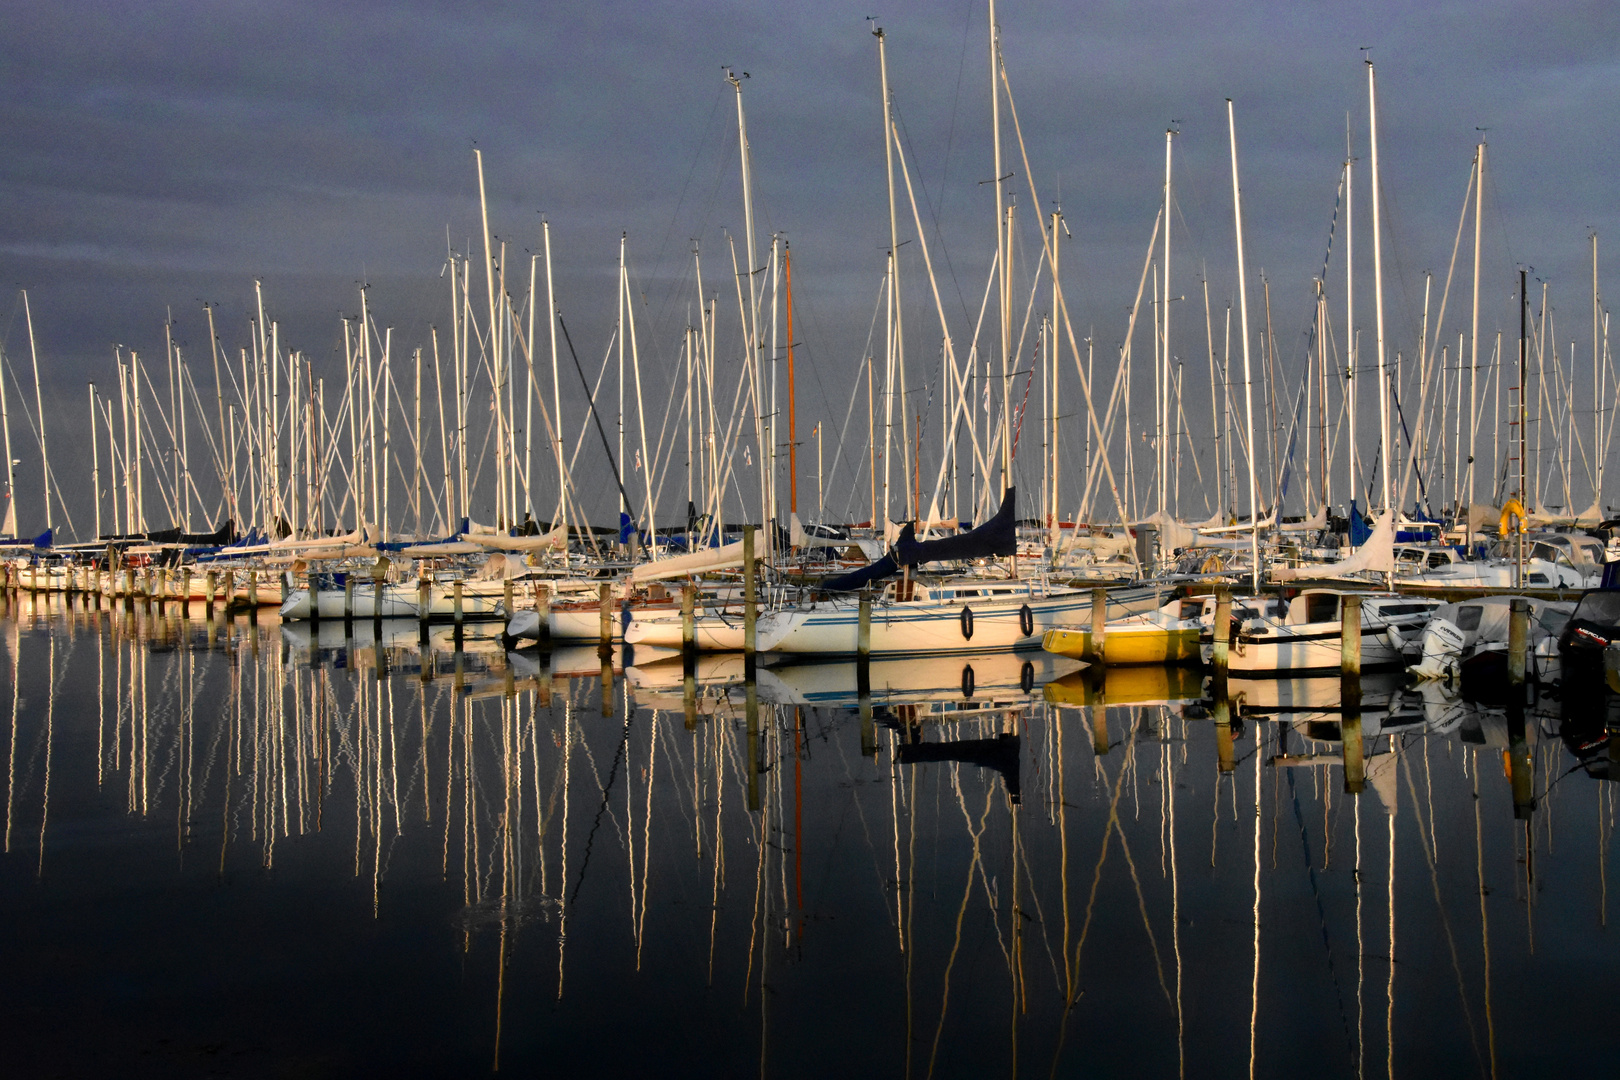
(898, 332)
(1056, 350)
(385, 376)
(185, 454)
(416, 438)
(529, 389)
(1473, 362)
(1350, 338)
(624, 506)
(793, 419)
(95, 460)
(444, 438)
(1164, 331)
(1597, 388)
(5, 427)
(140, 454)
(39, 409)
(1378, 289)
(1003, 239)
(752, 329)
(556, 385)
(1243, 325)
(219, 393)
(494, 343)
(174, 407)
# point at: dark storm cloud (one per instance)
(164, 153)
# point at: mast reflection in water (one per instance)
(240, 848)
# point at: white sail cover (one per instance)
(720, 558)
(555, 540)
(1172, 533)
(1377, 555)
(290, 544)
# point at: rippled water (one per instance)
(244, 850)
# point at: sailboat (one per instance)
(955, 614)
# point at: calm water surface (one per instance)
(260, 851)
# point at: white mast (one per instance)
(1378, 290)
(1597, 389)
(1473, 373)
(140, 455)
(5, 426)
(386, 378)
(444, 437)
(1164, 343)
(624, 505)
(1351, 339)
(556, 385)
(1003, 241)
(219, 392)
(529, 390)
(752, 329)
(1243, 325)
(494, 344)
(39, 408)
(416, 438)
(95, 459)
(898, 338)
(641, 414)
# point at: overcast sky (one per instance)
(163, 154)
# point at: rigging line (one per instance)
(939, 233)
(594, 416)
(697, 154)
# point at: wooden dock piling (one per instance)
(1099, 624)
(688, 618)
(750, 601)
(1518, 643)
(1350, 636)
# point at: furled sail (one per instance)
(697, 562)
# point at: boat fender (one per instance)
(1026, 621)
(966, 619)
(1026, 678)
(967, 678)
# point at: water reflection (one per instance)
(914, 868)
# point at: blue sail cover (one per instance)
(859, 579)
(996, 537)
(1359, 529)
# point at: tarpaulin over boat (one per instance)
(218, 538)
(996, 537)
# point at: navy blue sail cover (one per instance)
(859, 579)
(996, 537)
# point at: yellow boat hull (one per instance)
(1127, 645)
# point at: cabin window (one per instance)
(1468, 617)
(1391, 611)
(1438, 558)
(1538, 579)
(1553, 621)
(1321, 607)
